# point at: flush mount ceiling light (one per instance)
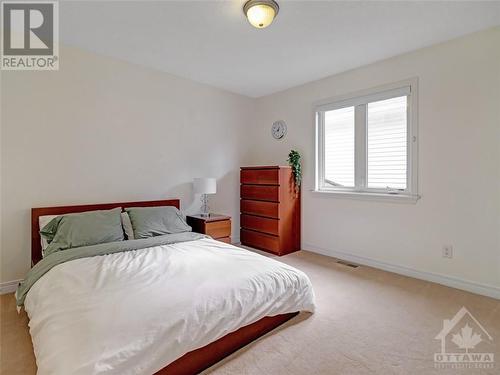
(261, 13)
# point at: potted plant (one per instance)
(294, 162)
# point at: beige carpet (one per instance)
(367, 322)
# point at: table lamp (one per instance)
(205, 186)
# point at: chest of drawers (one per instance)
(270, 209)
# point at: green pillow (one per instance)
(83, 229)
(156, 221)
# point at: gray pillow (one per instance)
(83, 229)
(156, 221)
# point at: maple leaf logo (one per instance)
(466, 340)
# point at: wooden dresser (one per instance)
(270, 209)
(216, 226)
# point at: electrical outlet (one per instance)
(448, 251)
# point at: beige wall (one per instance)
(459, 165)
(101, 130)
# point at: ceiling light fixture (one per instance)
(261, 13)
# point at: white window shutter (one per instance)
(339, 147)
(387, 144)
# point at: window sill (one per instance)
(363, 195)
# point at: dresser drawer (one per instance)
(267, 209)
(260, 176)
(218, 229)
(224, 239)
(260, 192)
(260, 240)
(260, 224)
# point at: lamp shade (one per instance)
(205, 185)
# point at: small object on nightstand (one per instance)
(204, 186)
(216, 226)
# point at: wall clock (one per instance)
(278, 130)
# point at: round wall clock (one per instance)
(278, 130)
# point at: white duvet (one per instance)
(137, 311)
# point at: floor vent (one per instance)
(344, 263)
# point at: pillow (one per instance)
(83, 229)
(127, 226)
(43, 221)
(156, 221)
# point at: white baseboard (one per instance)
(469, 286)
(9, 286)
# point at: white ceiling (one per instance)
(211, 41)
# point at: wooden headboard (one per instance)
(36, 246)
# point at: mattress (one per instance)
(134, 312)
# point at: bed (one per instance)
(174, 306)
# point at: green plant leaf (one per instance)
(294, 162)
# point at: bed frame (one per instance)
(196, 360)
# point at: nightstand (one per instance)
(216, 226)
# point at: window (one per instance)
(339, 147)
(367, 144)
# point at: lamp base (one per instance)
(204, 206)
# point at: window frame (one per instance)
(360, 101)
